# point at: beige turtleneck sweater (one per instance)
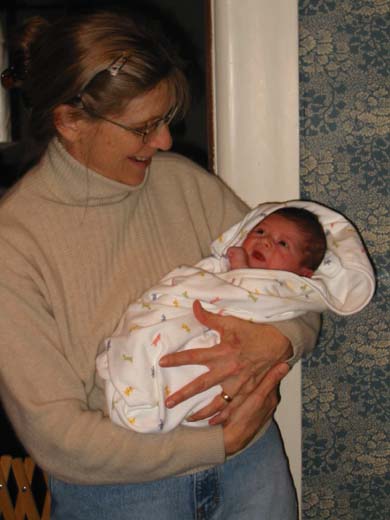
(75, 249)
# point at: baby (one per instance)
(281, 261)
(290, 239)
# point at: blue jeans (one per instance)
(253, 485)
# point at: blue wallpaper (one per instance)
(345, 163)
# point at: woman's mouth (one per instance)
(144, 161)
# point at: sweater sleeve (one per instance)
(47, 403)
(302, 333)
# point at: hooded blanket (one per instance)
(161, 321)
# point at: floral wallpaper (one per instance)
(345, 163)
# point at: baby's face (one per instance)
(276, 243)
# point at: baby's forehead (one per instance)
(273, 218)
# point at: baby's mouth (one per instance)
(257, 255)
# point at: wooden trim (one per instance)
(208, 31)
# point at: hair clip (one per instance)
(7, 79)
(12, 77)
(117, 65)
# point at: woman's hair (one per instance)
(312, 232)
(55, 63)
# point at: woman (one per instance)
(102, 90)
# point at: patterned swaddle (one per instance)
(162, 320)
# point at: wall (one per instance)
(345, 163)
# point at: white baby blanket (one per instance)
(162, 320)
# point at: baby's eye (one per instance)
(283, 243)
(259, 231)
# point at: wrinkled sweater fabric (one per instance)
(75, 249)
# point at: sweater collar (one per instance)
(73, 183)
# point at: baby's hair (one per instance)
(312, 231)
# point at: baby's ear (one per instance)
(306, 271)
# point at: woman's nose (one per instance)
(161, 138)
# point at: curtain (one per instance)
(345, 163)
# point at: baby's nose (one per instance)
(267, 242)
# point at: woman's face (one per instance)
(117, 153)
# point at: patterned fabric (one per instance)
(345, 162)
(161, 320)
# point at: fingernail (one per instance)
(162, 362)
(169, 403)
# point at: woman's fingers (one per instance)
(206, 318)
(198, 385)
(224, 416)
(219, 410)
(216, 405)
(196, 356)
(233, 388)
(267, 402)
(223, 369)
(254, 411)
(238, 360)
(269, 383)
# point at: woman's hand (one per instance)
(245, 353)
(249, 413)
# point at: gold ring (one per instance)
(226, 397)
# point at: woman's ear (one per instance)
(68, 122)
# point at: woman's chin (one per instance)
(134, 173)
(134, 179)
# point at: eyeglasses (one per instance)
(144, 132)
